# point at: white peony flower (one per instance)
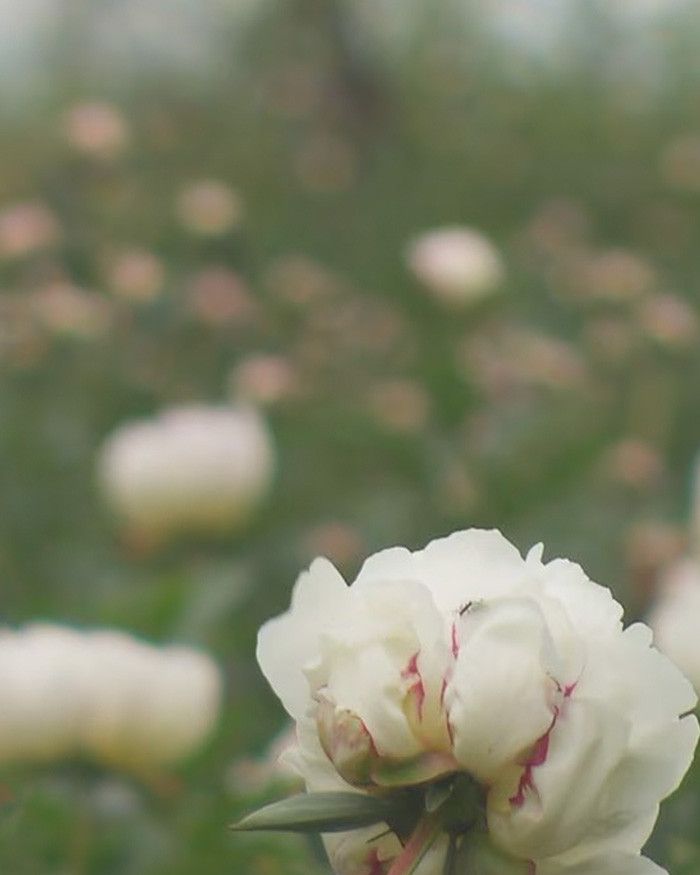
(158, 706)
(675, 617)
(465, 658)
(46, 682)
(102, 694)
(458, 265)
(200, 469)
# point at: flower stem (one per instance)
(450, 867)
(420, 842)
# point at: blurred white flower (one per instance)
(105, 695)
(670, 320)
(675, 617)
(264, 379)
(27, 227)
(66, 310)
(513, 359)
(209, 207)
(650, 546)
(190, 469)
(136, 275)
(250, 775)
(301, 282)
(339, 541)
(458, 265)
(219, 296)
(46, 682)
(466, 658)
(634, 462)
(400, 405)
(96, 128)
(616, 275)
(158, 706)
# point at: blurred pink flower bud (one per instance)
(96, 128)
(209, 208)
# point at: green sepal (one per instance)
(437, 794)
(478, 856)
(422, 769)
(318, 812)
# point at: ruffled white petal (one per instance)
(290, 642)
(559, 809)
(465, 566)
(674, 617)
(360, 852)
(589, 606)
(617, 749)
(502, 696)
(366, 660)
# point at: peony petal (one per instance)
(366, 661)
(590, 607)
(289, 642)
(361, 851)
(501, 698)
(674, 617)
(560, 809)
(469, 565)
(612, 864)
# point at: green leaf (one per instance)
(318, 812)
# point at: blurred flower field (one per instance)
(447, 274)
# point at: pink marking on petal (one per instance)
(417, 689)
(567, 689)
(539, 751)
(448, 725)
(412, 667)
(455, 642)
(367, 734)
(524, 784)
(537, 757)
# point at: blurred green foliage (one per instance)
(564, 409)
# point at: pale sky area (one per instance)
(181, 34)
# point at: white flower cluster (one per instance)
(191, 469)
(104, 695)
(466, 658)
